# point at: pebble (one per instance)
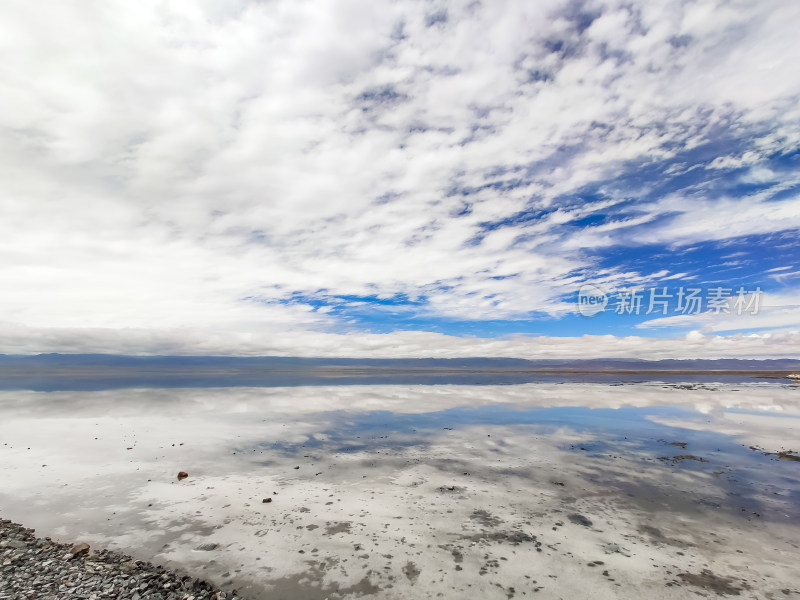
(34, 568)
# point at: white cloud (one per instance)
(780, 277)
(767, 311)
(399, 344)
(701, 219)
(734, 162)
(165, 164)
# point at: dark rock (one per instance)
(788, 455)
(579, 520)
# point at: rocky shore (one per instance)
(42, 569)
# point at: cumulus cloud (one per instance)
(398, 344)
(753, 311)
(221, 171)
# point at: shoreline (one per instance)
(45, 569)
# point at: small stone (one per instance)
(130, 565)
(207, 547)
(182, 475)
(612, 548)
(80, 549)
(266, 500)
(579, 519)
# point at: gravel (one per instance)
(41, 569)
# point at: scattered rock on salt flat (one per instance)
(579, 520)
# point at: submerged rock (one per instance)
(616, 548)
(579, 519)
(207, 547)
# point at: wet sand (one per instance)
(566, 490)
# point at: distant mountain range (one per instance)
(88, 372)
(260, 363)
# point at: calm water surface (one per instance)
(678, 474)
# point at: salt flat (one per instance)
(556, 490)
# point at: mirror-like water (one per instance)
(648, 489)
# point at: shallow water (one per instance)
(395, 491)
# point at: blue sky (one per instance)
(398, 178)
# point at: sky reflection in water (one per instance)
(369, 454)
